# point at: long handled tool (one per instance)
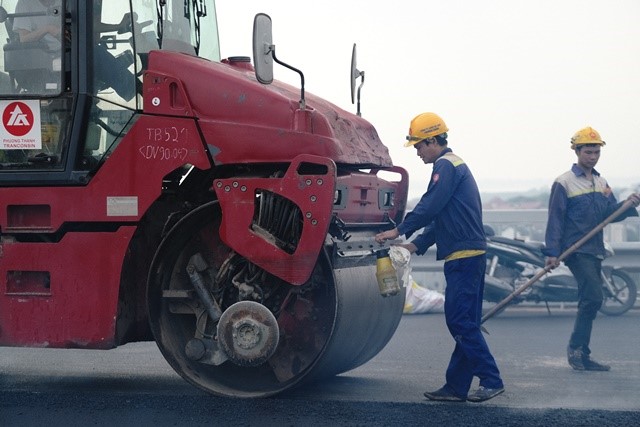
(626, 205)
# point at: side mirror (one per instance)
(353, 76)
(262, 48)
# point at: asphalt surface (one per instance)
(133, 385)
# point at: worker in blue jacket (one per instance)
(451, 214)
(580, 200)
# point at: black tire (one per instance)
(623, 296)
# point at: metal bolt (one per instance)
(247, 333)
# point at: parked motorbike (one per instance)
(512, 262)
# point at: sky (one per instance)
(513, 79)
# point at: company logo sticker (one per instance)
(17, 119)
(21, 126)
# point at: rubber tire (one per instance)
(618, 276)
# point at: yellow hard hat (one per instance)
(425, 125)
(584, 136)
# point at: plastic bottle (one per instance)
(386, 274)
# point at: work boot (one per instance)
(592, 365)
(575, 356)
(484, 393)
(443, 394)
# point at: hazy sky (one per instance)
(512, 79)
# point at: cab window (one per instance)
(32, 35)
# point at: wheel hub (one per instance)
(248, 333)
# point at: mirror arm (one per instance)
(272, 48)
(360, 87)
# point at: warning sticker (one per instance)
(21, 125)
(122, 206)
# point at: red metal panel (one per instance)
(312, 193)
(362, 202)
(154, 147)
(80, 307)
(249, 122)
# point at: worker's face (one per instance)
(588, 156)
(428, 150)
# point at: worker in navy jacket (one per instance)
(451, 214)
(580, 200)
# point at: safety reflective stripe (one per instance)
(464, 254)
(455, 160)
(576, 186)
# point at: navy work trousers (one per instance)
(587, 271)
(463, 312)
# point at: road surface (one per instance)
(133, 385)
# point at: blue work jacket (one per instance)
(576, 206)
(450, 211)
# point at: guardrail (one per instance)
(627, 256)
(530, 224)
(429, 273)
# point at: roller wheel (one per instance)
(251, 334)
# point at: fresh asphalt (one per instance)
(133, 385)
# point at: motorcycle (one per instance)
(512, 262)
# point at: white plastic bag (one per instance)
(422, 300)
(400, 258)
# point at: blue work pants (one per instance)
(587, 271)
(463, 312)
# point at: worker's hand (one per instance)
(26, 36)
(552, 261)
(635, 199)
(387, 235)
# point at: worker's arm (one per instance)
(27, 36)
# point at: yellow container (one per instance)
(386, 274)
